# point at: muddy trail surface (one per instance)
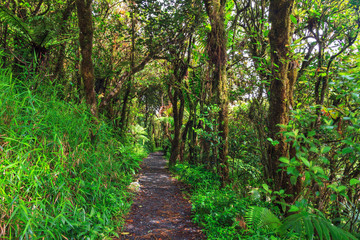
(160, 210)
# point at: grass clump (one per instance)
(56, 180)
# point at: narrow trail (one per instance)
(159, 210)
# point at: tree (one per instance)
(86, 32)
(216, 46)
(280, 90)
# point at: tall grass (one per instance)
(55, 181)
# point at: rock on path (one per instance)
(160, 210)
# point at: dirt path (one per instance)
(159, 210)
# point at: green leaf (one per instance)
(293, 171)
(318, 228)
(324, 160)
(307, 178)
(347, 150)
(309, 227)
(294, 208)
(305, 161)
(314, 149)
(325, 149)
(341, 188)
(293, 19)
(354, 181)
(317, 169)
(333, 197)
(284, 160)
(266, 33)
(259, 217)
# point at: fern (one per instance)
(304, 224)
(308, 225)
(15, 23)
(259, 217)
(37, 30)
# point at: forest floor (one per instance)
(160, 210)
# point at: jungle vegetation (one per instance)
(256, 104)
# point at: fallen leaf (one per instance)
(125, 233)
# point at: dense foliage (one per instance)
(255, 103)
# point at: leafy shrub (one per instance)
(197, 176)
(217, 210)
(224, 214)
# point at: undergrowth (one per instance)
(217, 210)
(225, 214)
(56, 180)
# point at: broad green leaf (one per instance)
(293, 19)
(294, 208)
(284, 160)
(305, 161)
(325, 149)
(347, 150)
(354, 181)
(341, 188)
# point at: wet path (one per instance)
(159, 210)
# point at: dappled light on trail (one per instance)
(160, 210)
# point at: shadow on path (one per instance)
(159, 210)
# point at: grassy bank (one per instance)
(56, 180)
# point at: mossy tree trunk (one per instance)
(86, 32)
(217, 40)
(281, 92)
(178, 104)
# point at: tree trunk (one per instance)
(77, 74)
(4, 43)
(178, 113)
(84, 11)
(192, 133)
(59, 68)
(217, 41)
(124, 109)
(281, 91)
(183, 140)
